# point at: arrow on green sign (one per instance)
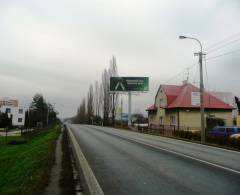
(119, 84)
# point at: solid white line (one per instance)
(177, 153)
(184, 155)
(91, 180)
(158, 138)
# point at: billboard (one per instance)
(129, 83)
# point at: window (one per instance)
(19, 120)
(161, 120)
(229, 130)
(20, 111)
(8, 110)
(161, 101)
(173, 120)
(221, 129)
(151, 116)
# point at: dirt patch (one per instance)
(54, 177)
(67, 181)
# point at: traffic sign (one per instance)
(129, 84)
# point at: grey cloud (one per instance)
(60, 47)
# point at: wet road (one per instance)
(130, 163)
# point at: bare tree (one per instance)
(113, 96)
(90, 105)
(105, 86)
(101, 100)
(96, 98)
(81, 113)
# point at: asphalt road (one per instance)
(131, 163)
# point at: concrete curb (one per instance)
(91, 181)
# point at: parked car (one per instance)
(237, 136)
(225, 131)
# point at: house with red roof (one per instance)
(179, 106)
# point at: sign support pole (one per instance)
(129, 109)
(121, 111)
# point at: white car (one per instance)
(236, 135)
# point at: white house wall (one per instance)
(15, 114)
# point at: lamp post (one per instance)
(200, 54)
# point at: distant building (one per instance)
(124, 116)
(12, 107)
(6, 101)
(179, 106)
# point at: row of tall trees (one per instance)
(40, 113)
(100, 104)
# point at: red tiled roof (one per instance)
(173, 90)
(183, 99)
(180, 97)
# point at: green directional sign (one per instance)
(129, 83)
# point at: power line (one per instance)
(224, 54)
(224, 45)
(206, 73)
(195, 77)
(222, 41)
(210, 49)
(177, 75)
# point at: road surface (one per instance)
(126, 162)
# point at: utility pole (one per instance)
(203, 136)
(113, 110)
(200, 54)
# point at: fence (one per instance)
(168, 130)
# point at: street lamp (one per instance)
(200, 54)
(184, 37)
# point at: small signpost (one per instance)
(129, 85)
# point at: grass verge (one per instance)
(24, 168)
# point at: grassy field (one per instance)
(24, 168)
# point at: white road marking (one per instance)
(184, 155)
(91, 180)
(177, 153)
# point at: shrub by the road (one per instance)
(188, 135)
(213, 139)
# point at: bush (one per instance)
(188, 135)
(214, 139)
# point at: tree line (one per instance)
(99, 105)
(40, 113)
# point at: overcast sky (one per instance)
(58, 48)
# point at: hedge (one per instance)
(213, 139)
